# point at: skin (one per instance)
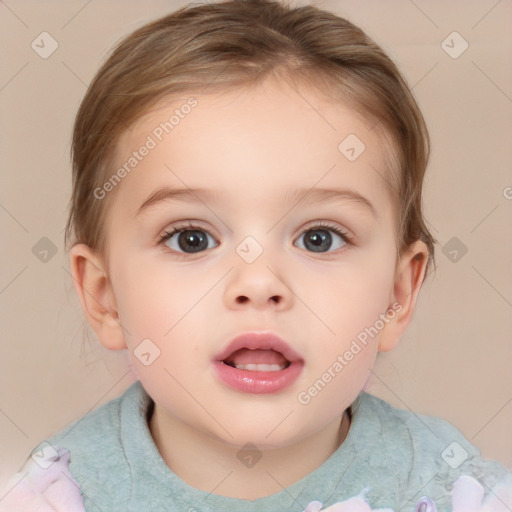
(255, 145)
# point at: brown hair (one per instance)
(230, 44)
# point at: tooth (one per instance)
(260, 367)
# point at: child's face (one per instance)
(248, 151)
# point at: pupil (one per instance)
(320, 239)
(194, 240)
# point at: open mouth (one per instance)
(260, 360)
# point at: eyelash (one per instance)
(322, 225)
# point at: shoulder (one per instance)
(437, 452)
(424, 433)
(82, 465)
(96, 443)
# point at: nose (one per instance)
(258, 285)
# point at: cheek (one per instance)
(157, 315)
(148, 300)
(163, 305)
(152, 288)
(335, 382)
(351, 297)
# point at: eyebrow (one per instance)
(180, 194)
(304, 196)
(329, 194)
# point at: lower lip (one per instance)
(249, 381)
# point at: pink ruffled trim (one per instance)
(44, 484)
(467, 496)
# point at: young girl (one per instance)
(246, 221)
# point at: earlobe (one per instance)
(96, 296)
(409, 276)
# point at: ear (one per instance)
(409, 275)
(96, 295)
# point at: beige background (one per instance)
(455, 360)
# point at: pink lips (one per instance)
(250, 381)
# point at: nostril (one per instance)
(242, 299)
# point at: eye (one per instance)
(318, 238)
(190, 239)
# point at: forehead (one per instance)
(254, 144)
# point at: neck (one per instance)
(208, 464)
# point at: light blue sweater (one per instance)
(397, 455)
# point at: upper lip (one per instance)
(259, 340)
